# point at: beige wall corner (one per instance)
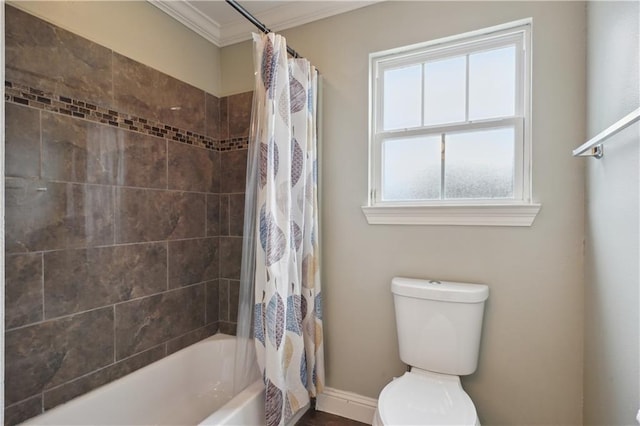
(140, 31)
(237, 68)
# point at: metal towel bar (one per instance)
(593, 147)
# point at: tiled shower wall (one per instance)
(124, 210)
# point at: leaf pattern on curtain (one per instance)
(272, 239)
(258, 322)
(275, 320)
(288, 410)
(283, 107)
(287, 316)
(269, 67)
(294, 314)
(298, 95)
(297, 161)
(273, 403)
(296, 236)
(303, 369)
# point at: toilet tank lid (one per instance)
(439, 290)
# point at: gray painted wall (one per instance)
(612, 358)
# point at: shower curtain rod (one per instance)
(244, 12)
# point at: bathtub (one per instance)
(190, 387)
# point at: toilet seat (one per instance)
(424, 398)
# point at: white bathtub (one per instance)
(190, 387)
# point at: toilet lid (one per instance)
(424, 398)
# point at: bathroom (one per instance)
(560, 334)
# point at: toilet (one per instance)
(439, 326)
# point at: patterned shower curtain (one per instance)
(288, 309)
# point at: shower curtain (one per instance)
(282, 203)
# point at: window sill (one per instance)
(462, 215)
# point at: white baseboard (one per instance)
(347, 404)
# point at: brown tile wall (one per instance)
(234, 128)
(123, 216)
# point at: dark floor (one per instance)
(318, 418)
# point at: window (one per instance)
(449, 130)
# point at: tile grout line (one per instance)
(166, 171)
(104, 367)
(185, 334)
(114, 305)
(167, 241)
(206, 293)
(206, 216)
(229, 301)
(104, 246)
(113, 83)
(114, 335)
(42, 279)
(40, 156)
(22, 401)
(228, 233)
(109, 185)
(116, 216)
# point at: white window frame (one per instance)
(519, 211)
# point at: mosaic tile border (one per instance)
(36, 98)
(233, 144)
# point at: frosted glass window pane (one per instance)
(411, 168)
(444, 91)
(479, 164)
(402, 98)
(492, 83)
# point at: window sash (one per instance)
(510, 39)
(519, 163)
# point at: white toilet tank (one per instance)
(439, 324)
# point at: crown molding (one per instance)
(192, 18)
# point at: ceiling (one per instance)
(222, 25)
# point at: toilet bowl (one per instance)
(424, 398)
(439, 326)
